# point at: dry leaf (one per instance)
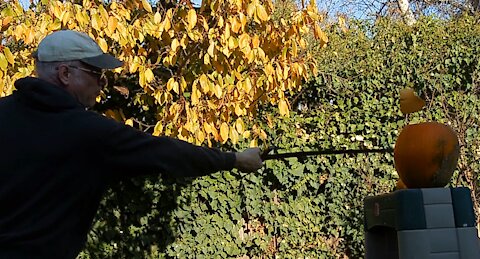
(409, 102)
(123, 90)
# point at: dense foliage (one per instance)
(307, 207)
(196, 74)
(312, 207)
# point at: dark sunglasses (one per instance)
(99, 74)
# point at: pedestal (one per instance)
(430, 223)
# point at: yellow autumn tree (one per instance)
(200, 73)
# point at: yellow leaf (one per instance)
(255, 41)
(166, 24)
(262, 135)
(192, 18)
(141, 78)
(262, 13)
(269, 121)
(112, 24)
(303, 43)
(248, 85)
(220, 22)
(240, 126)
(96, 22)
(226, 35)
(170, 83)
(196, 94)
(200, 136)
(218, 91)
(232, 43)
(238, 110)
(319, 34)
(251, 56)
(234, 135)
(133, 66)
(236, 25)
(175, 44)
(167, 61)
(158, 129)
(103, 13)
(103, 44)
(3, 62)
(243, 20)
(9, 55)
(342, 23)
(57, 11)
(283, 107)
(184, 41)
(30, 35)
(66, 17)
(211, 49)
(207, 127)
(183, 83)
(409, 102)
(238, 3)
(279, 73)
(80, 18)
(205, 24)
(269, 70)
(157, 18)
(204, 83)
(149, 75)
(175, 87)
(224, 131)
(294, 49)
(254, 143)
(129, 122)
(250, 9)
(146, 6)
(6, 21)
(244, 41)
(206, 59)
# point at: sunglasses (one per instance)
(100, 75)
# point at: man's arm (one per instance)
(130, 152)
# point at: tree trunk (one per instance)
(407, 13)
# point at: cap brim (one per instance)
(104, 61)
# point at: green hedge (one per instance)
(311, 207)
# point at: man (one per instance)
(57, 158)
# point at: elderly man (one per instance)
(57, 158)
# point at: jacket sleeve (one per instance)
(130, 152)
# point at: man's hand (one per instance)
(248, 160)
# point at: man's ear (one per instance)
(63, 75)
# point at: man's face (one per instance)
(84, 82)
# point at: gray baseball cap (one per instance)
(68, 45)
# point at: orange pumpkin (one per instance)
(426, 154)
(400, 185)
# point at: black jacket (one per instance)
(57, 159)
